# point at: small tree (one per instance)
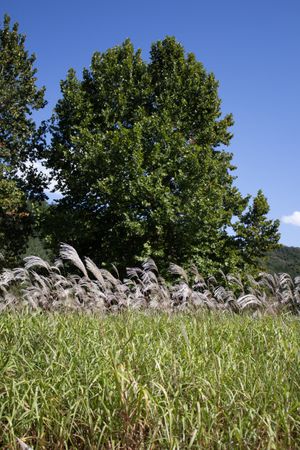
(138, 152)
(255, 234)
(19, 140)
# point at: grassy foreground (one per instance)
(136, 381)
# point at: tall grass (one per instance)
(153, 381)
(38, 285)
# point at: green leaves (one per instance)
(137, 151)
(18, 94)
(255, 233)
(19, 140)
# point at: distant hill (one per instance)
(284, 259)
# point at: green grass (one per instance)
(135, 381)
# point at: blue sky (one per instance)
(251, 46)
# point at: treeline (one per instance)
(284, 260)
(138, 152)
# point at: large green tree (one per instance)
(19, 141)
(138, 154)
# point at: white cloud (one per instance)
(293, 219)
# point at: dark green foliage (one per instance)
(255, 233)
(36, 247)
(284, 259)
(19, 141)
(36, 244)
(137, 151)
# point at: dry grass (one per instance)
(38, 285)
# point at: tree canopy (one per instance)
(19, 140)
(138, 154)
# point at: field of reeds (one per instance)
(90, 361)
(149, 381)
(41, 286)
